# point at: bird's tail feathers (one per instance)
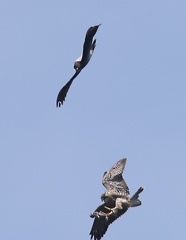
(134, 201)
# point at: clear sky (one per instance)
(130, 101)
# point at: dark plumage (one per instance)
(116, 200)
(88, 49)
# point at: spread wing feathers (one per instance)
(88, 41)
(113, 180)
(103, 218)
(63, 92)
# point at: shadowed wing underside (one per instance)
(88, 46)
(103, 218)
(63, 92)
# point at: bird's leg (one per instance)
(98, 214)
(102, 214)
(112, 210)
(94, 214)
(108, 208)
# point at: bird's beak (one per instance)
(102, 197)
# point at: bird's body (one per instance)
(88, 49)
(117, 200)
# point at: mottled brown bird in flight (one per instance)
(88, 49)
(116, 200)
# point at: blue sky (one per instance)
(129, 101)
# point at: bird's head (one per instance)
(77, 66)
(103, 197)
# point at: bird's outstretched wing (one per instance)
(88, 42)
(63, 92)
(113, 180)
(103, 218)
(81, 62)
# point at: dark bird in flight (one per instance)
(116, 200)
(88, 49)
